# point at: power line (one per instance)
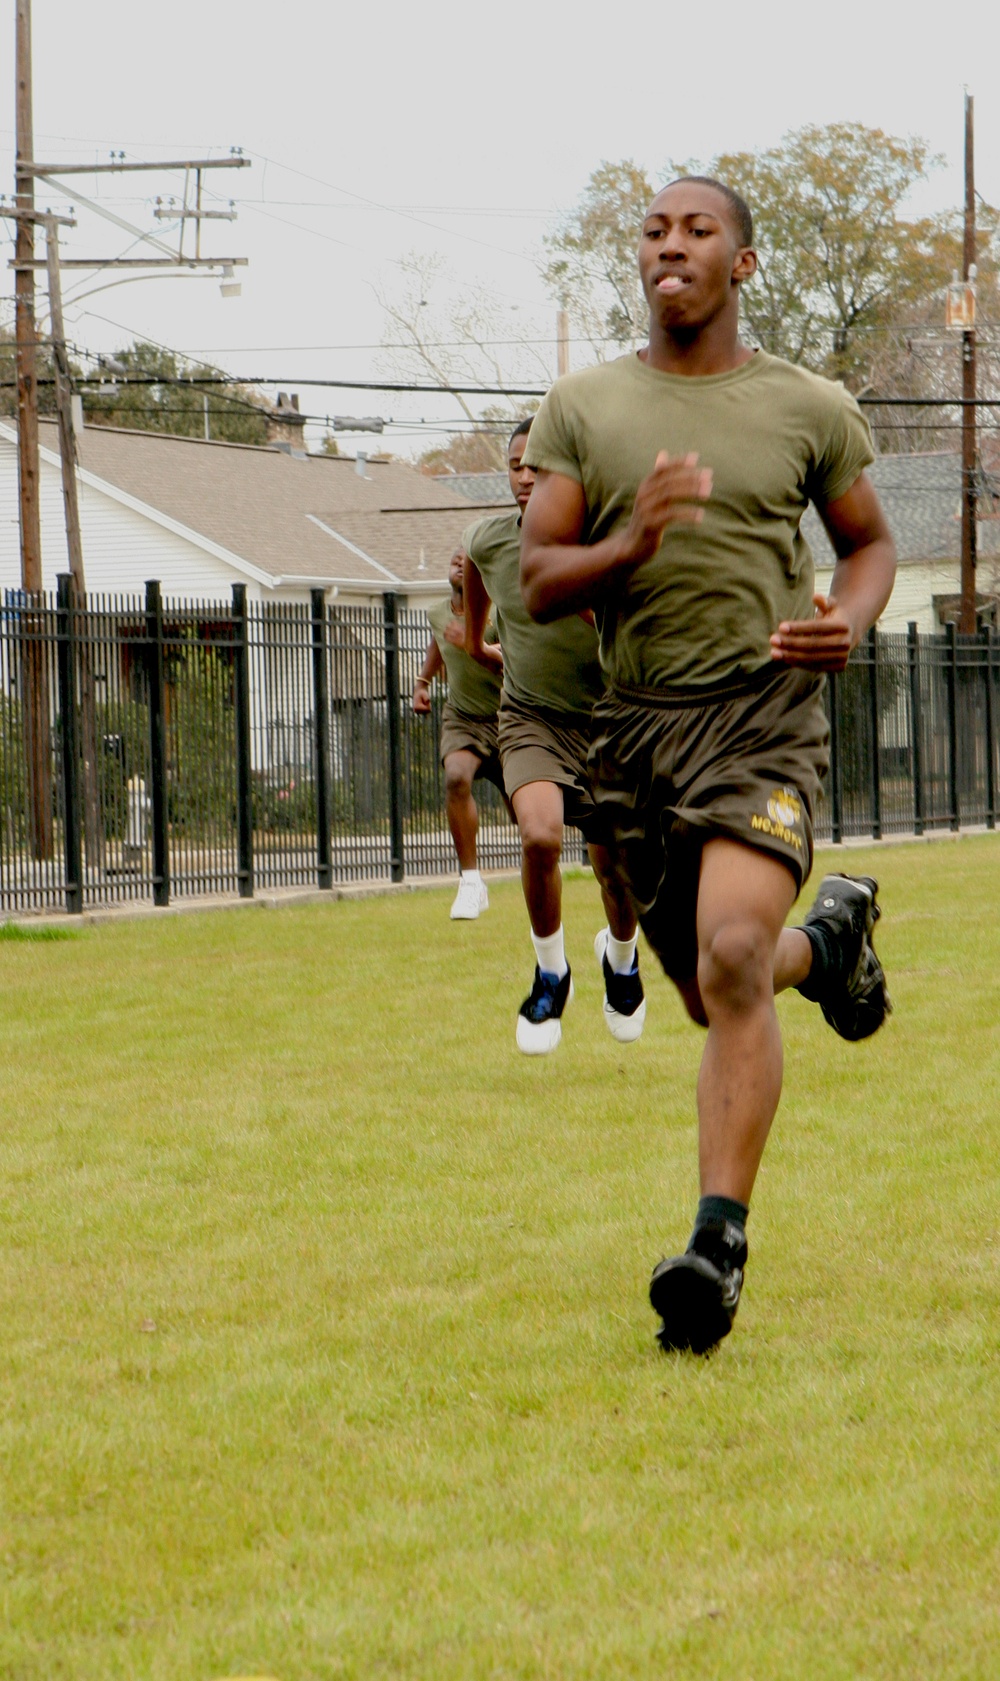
(218, 379)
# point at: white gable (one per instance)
(124, 544)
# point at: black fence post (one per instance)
(916, 749)
(951, 684)
(836, 785)
(874, 715)
(241, 702)
(391, 630)
(990, 727)
(157, 743)
(321, 738)
(70, 746)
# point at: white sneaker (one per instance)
(470, 899)
(539, 1028)
(624, 1001)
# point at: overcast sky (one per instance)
(463, 130)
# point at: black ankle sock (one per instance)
(720, 1231)
(827, 962)
(713, 1210)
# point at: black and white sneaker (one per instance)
(624, 999)
(852, 994)
(539, 1028)
(696, 1294)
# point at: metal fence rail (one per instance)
(151, 749)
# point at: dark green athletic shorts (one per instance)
(472, 735)
(542, 746)
(671, 770)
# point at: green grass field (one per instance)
(324, 1339)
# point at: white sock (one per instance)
(471, 875)
(550, 952)
(621, 954)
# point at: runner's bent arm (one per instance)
(477, 611)
(861, 586)
(433, 663)
(561, 575)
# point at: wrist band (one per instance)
(425, 680)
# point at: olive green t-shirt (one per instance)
(473, 690)
(703, 608)
(556, 666)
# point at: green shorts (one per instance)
(671, 770)
(543, 746)
(460, 734)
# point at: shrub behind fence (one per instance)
(151, 749)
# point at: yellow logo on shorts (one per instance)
(784, 807)
(784, 817)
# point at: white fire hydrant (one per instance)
(138, 816)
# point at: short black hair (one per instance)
(521, 430)
(738, 207)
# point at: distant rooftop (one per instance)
(922, 498)
(483, 488)
(312, 518)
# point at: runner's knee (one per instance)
(541, 840)
(457, 782)
(735, 968)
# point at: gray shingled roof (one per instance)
(294, 517)
(478, 487)
(316, 517)
(922, 498)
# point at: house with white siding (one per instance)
(200, 516)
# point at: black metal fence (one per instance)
(152, 749)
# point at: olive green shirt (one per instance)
(703, 608)
(555, 667)
(473, 690)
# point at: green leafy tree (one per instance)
(13, 781)
(45, 375)
(591, 267)
(174, 402)
(838, 256)
(842, 266)
(201, 740)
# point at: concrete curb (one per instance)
(268, 899)
(278, 898)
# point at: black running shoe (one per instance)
(854, 999)
(624, 999)
(697, 1294)
(538, 1025)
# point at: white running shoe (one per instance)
(624, 1000)
(470, 899)
(539, 1028)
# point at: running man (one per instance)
(551, 679)
(468, 744)
(669, 494)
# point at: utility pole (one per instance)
(967, 615)
(24, 331)
(34, 675)
(64, 401)
(92, 826)
(562, 343)
(34, 671)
